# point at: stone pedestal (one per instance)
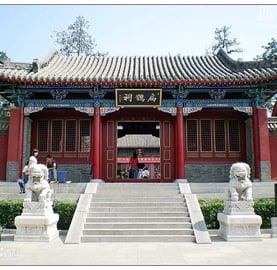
(238, 222)
(37, 222)
(274, 227)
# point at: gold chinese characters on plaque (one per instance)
(138, 97)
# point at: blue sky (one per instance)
(137, 29)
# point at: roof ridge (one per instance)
(237, 65)
(47, 59)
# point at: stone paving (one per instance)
(219, 252)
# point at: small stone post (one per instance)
(274, 219)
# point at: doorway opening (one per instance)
(144, 139)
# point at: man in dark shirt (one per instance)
(52, 169)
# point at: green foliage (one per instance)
(262, 207)
(209, 210)
(66, 211)
(223, 40)
(76, 39)
(270, 52)
(266, 209)
(8, 211)
(3, 56)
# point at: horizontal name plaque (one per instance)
(138, 97)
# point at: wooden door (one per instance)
(167, 150)
(109, 149)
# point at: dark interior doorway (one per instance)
(142, 137)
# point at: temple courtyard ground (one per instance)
(219, 252)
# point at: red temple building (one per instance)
(186, 117)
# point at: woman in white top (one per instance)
(33, 158)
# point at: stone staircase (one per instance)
(135, 212)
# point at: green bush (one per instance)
(209, 210)
(9, 209)
(66, 211)
(266, 209)
(262, 207)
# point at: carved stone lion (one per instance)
(38, 188)
(240, 186)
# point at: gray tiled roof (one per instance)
(144, 70)
(141, 140)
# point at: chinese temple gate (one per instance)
(186, 117)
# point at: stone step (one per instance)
(137, 204)
(137, 188)
(137, 209)
(117, 186)
(139, 193)
(177, 198)
(138, 225)
(137, 238)
(138, 232)
(133, 218)
(160, 214)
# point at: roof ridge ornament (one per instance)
(237, 65)
(43, 63)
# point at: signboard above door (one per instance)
(138, 98)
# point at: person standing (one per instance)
(133, 165)
(52, 169)
(145, 173)
(25, 177)
(33, 159)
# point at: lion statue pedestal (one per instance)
(37, 223)
(238, 222)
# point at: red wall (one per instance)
(3, 156)
(273, 156)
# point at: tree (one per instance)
(270, 57)
(270, 53)
(223, 40)
(3, 56)
(76, 39)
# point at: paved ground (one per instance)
(219, 252)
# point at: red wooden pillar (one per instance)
(15, 143)
(4, 147)
(180, 150)
(261, 144)
(96, 143)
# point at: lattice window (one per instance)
(219, 136)
(56, 136)
(206, 142)
(84, 136)
(42, 142)
(192, 145)
(216, 137)
(234, 136)
(70, 136)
